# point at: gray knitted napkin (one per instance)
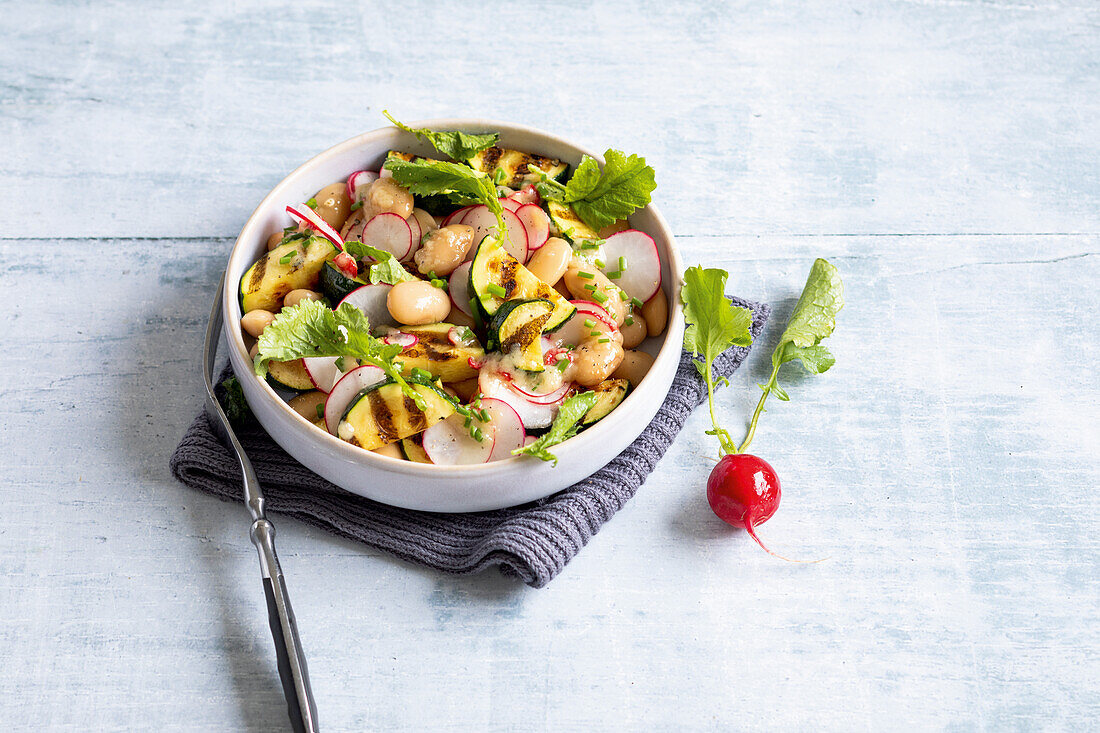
(533, 542)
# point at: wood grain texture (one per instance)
(943, 155)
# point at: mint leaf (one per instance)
(311, 328)
(386, 268)
(457, 145)
(564, 427)
(602, 197)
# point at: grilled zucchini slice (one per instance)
(336, 285)
(516, 328)
(434, 352)
(289, 374)
(414, 449)
(568, 223)
(513, 166)
(384, 414)
(497, 277)
(267, 281)
(610, 392)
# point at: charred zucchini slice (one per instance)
(414, 449)
(384, 414)
(289, 374)
(444, 350)
(610, 392)
(336, 285)
(513, 166)
(496, 277)
(290, 266)
(516, 328)
(568, 223)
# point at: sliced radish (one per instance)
(493, 384)
(508, 431)
(426, 220)
(389, 232)
(515, 235)
(346, 389)
(358, 182)
(324, 371)
(574, 331)
(510, 204)
(415, 233)
(529, 440)
(455, 217)
(402, 339)
(449, 443)
(527, 195)
(305, 214)
(536, 223)
(545, 398)
(458, 287)
(346, 264)
(642, 276)
(371, 300)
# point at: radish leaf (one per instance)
(564, 427)
(601, 198)
(424, 177)
(454, 144)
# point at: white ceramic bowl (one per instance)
(422, 486)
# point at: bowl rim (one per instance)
(669, 350)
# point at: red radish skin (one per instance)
(743, 491)
(312, 219)
(346, 264)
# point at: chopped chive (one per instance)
(629, 321)
(589, 323)
(594, 332)
(605, 340)
(498, 176)
(468, 421)
(623, 296)
(590, 288)
(600, 297)
(478, 435)
(441, 284)
(622, 264)
(615, 274)
(562, 364)
(312, 203)
(320, 409)
(636, 303)
(483, 416)
(600, 264)
(356, 206)
(586, 244)
(570, 346)
(586, 275)
(287, 257)
(496, 290)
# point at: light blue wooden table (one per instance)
(944, 154)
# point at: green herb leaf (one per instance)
(564, 427)
(457, 145)
(386, 268)
(602, 197)
(232, 400)
(311, 328)
(714, 325)
(814, 319)
(431, 177)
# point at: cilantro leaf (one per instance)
(424, 177)
(311, 328)
(564, 427)
(602, 197)
(714, 324)
(386, 268)
(457, 145)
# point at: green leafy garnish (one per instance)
(813, 320)
(457, 145)
(232, 400)
(386, 268)
(714, 325)
(564, 427)
(424, 177)
(311, 328)
(602, 197)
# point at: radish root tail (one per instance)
(752, 533)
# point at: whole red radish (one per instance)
(743, 491)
